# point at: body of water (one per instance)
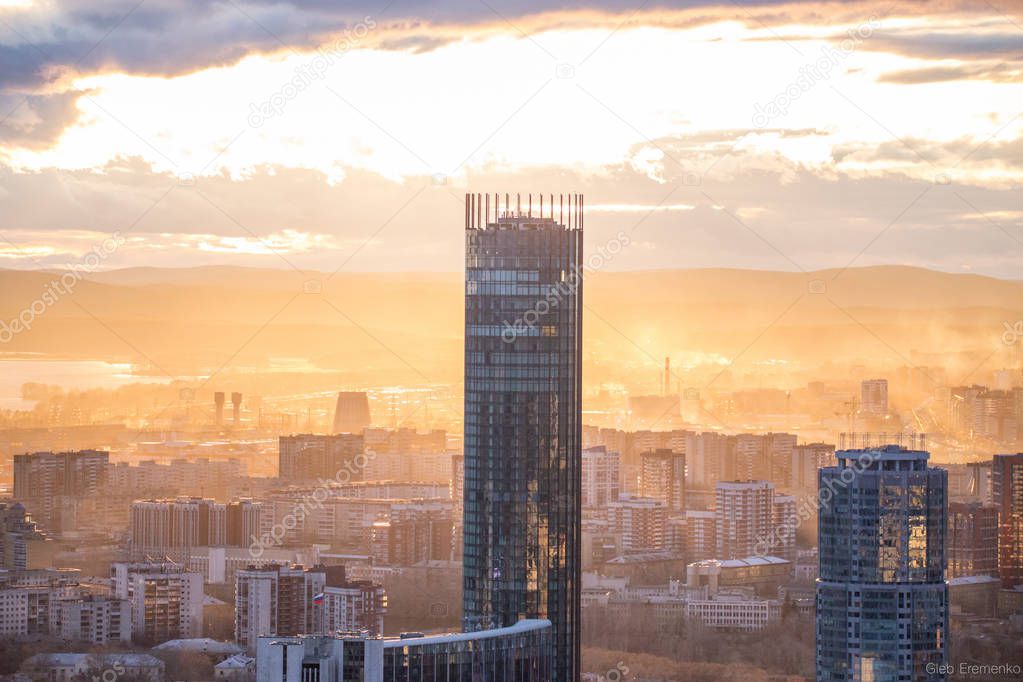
(68, 374)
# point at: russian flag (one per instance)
(318, 598)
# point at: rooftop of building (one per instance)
(409, 639)
(627, 500)
(74, 659)
(236, 662)
(974, 580)
(735, 596)
(884, 452)
(527, 625)
(201, 644)
(744, 563)
(743, 485)
(487, 212)
(644, 557)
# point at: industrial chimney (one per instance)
(218, 399)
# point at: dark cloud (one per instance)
(999, 73)
(169, 37)
(176, 36)
(942, 45)
(36, 121)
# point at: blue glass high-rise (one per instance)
(523, 431)
(882, 600)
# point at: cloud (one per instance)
(978, 44)
(948, 156)
(36, 121)
(757, 213)
(1005, 72)
(170, 37)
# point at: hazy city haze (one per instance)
(588, 341)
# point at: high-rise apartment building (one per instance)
(351, 414)
(172, 528)
(782, 538)
(45, 481)
(882, 600)
(215, 478)
(601, 477)
(806, 461)
(18, 537)
(523, 430)
(874, 397)
(353, 605)
(311, 457)
(701, 535)
(744, 512)
(995, 416)
(166, 600)
(641, 522)
(1007, 494)
(758, 457)
(287, 601)
(277, 600)
(972, 539)
(705, 457)
(415, 531)
(663, 477)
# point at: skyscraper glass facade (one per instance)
(523, 324)
(521, 653)
(882, 600)
(1007, 492)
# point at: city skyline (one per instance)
(299, 383)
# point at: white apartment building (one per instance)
(601, 477)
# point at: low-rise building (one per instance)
(72, 666)
(237, 668)
(976, 595)
(734, 610)
(762, 573)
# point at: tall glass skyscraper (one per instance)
(523, 429)
(1007, 492)
(882, 600)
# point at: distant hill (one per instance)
(410, 324)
